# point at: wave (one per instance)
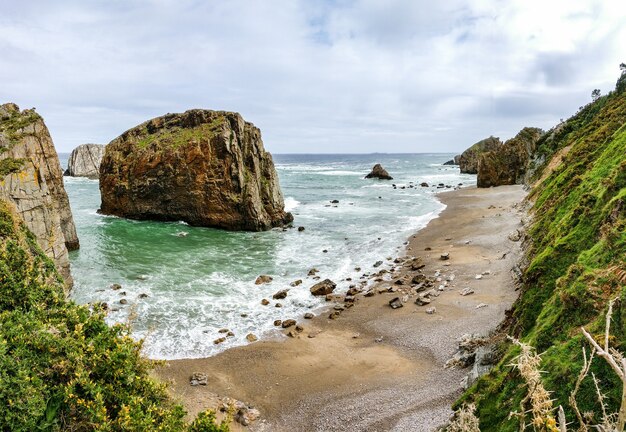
(291, 203)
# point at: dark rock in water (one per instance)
(265, 302)
(250, 337)
(263, 279)
(508, 163)
(468, 160)
(378, 264)
(379, 172)
(395, 303)
(300, 228)
(424, 184)
(450, 162)
(278, 323)
(280, 294)
(207, 168)
(323, 288)
(334, 201)
(296, 283)
(308, 315)
(85, 161)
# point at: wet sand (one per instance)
(374, 368)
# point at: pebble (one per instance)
(431, 310)
(308, 315)
(198, 378)
(251, 337)
(482, 305)
(466, 291)
(478, 277)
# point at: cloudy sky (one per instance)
(328, 76)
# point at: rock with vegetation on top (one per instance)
(207, 168)
(507, 164)
(379, 172)
(468, 161)
(31, 181)
(85, 161)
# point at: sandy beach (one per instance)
(374, 368)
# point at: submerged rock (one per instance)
(85, 161)
(207, 168)
(379, 172)
(31, 181)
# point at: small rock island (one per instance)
(206, 168)
(85, 161)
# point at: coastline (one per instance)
(373, 367)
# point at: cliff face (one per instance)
(574, 265)
(31, 181)
(207, 168)
(468, 160)
(508, 163)
(85, 161)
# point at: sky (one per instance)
(325, 76)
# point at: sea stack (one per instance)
(85, 161)
(379, 172)
(31, 183)
(206, 168)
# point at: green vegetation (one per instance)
(12, 125)
(174, 137)
(10, 165)
(577, 262)
(61, 366)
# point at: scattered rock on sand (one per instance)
(478, 277)
(379, 172)
(482, 305)
(515, 236)
(422, 301)
(445, 256)
(323, 288)
(431, 310)
(198, 378)
(263, 279)
(395, 303)
(309, 315)
(288, 323)
(251, 337)
(280, 294)
(466, 291)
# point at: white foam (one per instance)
(291, 203)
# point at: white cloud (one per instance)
(331, 76)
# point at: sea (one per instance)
(183, 284)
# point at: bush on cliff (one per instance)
(577, 262)
(61, 366)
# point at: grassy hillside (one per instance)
(61, 366)
(577, 262)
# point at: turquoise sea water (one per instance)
(203, 281)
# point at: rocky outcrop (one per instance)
(207, 168)
(85, 161)
(31, 181)
(468, 161)
(379, 172)
(507, 164)
(453, 161)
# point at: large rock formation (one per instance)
(85, 161)
(379, 172)
(207, 168)
(31, 181)
(468, 161)
(507, 164)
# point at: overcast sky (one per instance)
(316, 76)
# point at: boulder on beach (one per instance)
(324, 287)
(379, 172)
(206, 168)
(85, 161)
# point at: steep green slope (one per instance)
(61, 366)
(577, 262)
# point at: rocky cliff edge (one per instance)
(31, 182)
